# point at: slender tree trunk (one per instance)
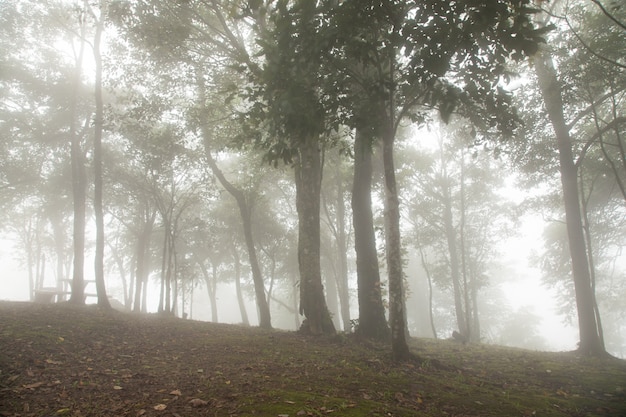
(240, 300)
(78, 186)
(590, 343)
(308, 173)
(59, 245)
(143, 254)
(30, 257)
(430, 288)
(372, 321)
(342, 244)
(103, 299)
(454, 265)
(397, 317)
(464, 252)
(212, 288)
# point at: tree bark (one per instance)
(372, 321)
(590, 342)
(308, 172)
(397, 317)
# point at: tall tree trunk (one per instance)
(590, 343)
(455, 273)
(372, 321)
(308, 172)
(342, 245)
(397, 317)
(78, 184)
(103, 299)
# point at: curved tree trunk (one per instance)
(372, 321)
(590, 342)
(265, 319)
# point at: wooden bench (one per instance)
(52, 295)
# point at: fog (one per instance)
(267, 163)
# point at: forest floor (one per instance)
(61, 360)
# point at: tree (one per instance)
(244, 202)
(103, 300)
(372, 321)
(457, 215)
(591, 342)
(290, 88)
(452, 54)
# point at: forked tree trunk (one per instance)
(308, 172)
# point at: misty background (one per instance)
(169, 215)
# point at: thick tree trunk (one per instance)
(372, 321)
(397, 316)
(590, 342)
(308, 172)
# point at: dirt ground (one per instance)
(62, 360)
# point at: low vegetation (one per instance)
(61, 360)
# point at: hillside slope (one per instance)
(59, 360)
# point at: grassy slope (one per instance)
(63, 360)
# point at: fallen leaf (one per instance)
(35, 385)
(197, 402)
(62, 411)
(117, 387)
(141, 412)
(176, 392)
(160, 407)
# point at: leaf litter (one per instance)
(81, 361)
